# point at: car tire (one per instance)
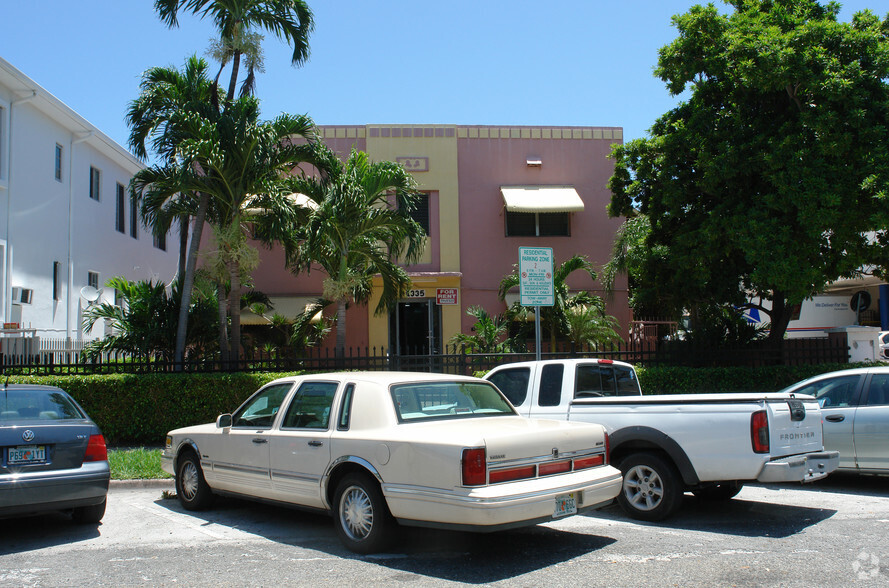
(89, 514)
(361, 516)
(191, 488)
(652, 490)
(721, 491)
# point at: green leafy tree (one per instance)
(489, 333)
(588, 325)
(765, 182)
(243, 165)
(555, 316)
(237, 21)
(356, 226)
(145, 323)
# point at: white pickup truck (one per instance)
(709, 444)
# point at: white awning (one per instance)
(541, 198)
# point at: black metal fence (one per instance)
(454, 360)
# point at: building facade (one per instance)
(487, 190)
(66, 221)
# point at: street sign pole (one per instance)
(536, 284)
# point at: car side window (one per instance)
(346, 408)
(551, 385)
(513, 383)
(260, 411)
(878, 391)
(836, 392)
(311, 405)
(591, 382)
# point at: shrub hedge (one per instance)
(139, 409)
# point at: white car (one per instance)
(379, 448)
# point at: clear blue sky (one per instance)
(487, 62)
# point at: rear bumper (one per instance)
(501, 506)
(807, 467)
(54, 490)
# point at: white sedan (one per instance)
(379, 448)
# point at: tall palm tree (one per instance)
(288, 20)
(159, 116)
(359, 225)
(555, 316)
(244, 166)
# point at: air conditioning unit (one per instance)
(22, 295)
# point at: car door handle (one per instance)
(835, 418)
(260, 440)
(315, 443)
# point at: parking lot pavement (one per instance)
(833, 533)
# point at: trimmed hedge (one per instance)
(140, 409)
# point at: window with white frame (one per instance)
(57, 280)
(58, 163)
(92, 279)
(95, 178)
(160, 241)
(121, 217)
(134, 221)
(538, 224)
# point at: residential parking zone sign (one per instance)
(536, 276)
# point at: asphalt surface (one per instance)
(832, 533)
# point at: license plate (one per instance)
(26, 454)
(566, 504)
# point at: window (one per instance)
(260, 410)
(92, 279)
(448, 400)
(95, 177)
(57, 280)
(134, 221)
(878, 392)
(513, 383)
(346, 408)
(538, 224)
(551, 385)
(121, 217)
(421, 212)
(160, 241)
(310, 408)
(58, 162)
(833, 392)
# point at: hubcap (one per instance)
(643, 488)
(189, 480)
(356, 513)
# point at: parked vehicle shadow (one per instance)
(847, 483)
(744, 518)
(22, 534)
(474, 558)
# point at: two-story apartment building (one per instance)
(487, 190)
(66, 221)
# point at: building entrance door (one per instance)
(415, 334)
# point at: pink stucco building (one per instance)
(488, 191)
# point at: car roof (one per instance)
(31, 387)
(381, 378)
(568, 361)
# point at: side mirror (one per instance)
(223, 421)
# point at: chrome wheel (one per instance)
(356, 513)
(191, 488)
(643, 488)
(190, 480)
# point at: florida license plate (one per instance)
(566, 504)
(26, 454)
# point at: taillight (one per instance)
(556, 467)
(606, 361)
(759, 431)
(589, 462)
(96, 449)
(474, 469)
(508, 475)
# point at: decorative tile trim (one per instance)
(470, 132)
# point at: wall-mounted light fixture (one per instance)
(534, 162)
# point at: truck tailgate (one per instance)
(794, 426)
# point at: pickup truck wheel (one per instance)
(722, 491)
(192, 490)
(361, 515)
(651, 489)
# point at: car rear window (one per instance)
(47, 405)
(448, 400)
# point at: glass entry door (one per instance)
(415, 333)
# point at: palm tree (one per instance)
(358, 226)
(168, 98)
(555, 316)
(288, 20)
(489, 332)
(244, 167)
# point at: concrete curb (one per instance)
(163, 484)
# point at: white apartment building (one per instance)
(66, 221)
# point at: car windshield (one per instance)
(448, 400)
(46, 405)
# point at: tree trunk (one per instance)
(341, 328)
(233, 81)
(234, 309)
(183, 247)
(223, 315)
(188, 281)
(780, 318)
